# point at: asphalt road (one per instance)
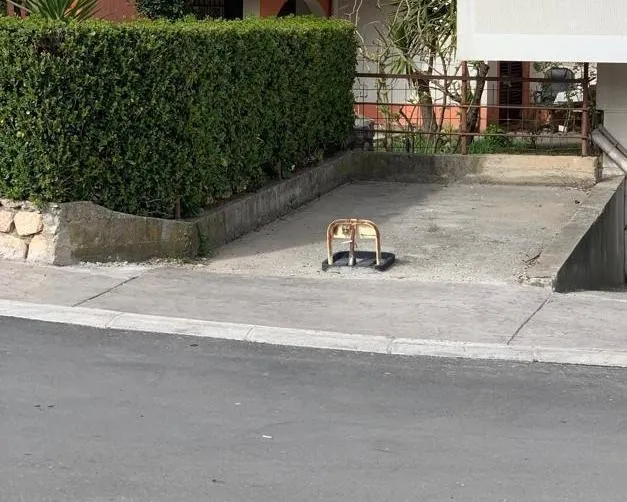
(88, 415)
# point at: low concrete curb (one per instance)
(107, 319)
(242, 215)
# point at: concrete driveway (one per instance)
(455, 233)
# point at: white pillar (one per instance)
(612, 98)
(252, 8)
(491, 94)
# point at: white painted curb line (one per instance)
(108, 319)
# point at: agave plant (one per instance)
(59, 10)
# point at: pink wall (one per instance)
(116, 10)
(452, 114)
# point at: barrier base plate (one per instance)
(363, 259)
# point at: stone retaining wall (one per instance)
(26, 232)
(71, 232)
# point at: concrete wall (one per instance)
(589, 251)
(236, 218)
(598, 258)
(498, 169)
(542, 30)
(88, 232)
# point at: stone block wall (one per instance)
(26, 232)
(62, 234)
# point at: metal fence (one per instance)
(516, 113)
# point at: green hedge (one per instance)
(134, 115)
(154, 9)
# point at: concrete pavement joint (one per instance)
(529, 318)
(585, 357)
(115, 318)
(109, 290)
(247, 336)
(600, 296)
(106, 319)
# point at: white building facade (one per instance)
(592, 31)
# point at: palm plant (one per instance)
(422, 40)
(58, 10)
(421, 34)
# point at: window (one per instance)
(228, 9)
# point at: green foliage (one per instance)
(134, 115)
(168, 9)
(172, 9)
(419, 39)
(494, 140)
(58, 10)
(422, 28)
(422, 144)
(497, 136)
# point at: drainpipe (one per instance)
(611, 147)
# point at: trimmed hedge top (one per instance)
(135, 115)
